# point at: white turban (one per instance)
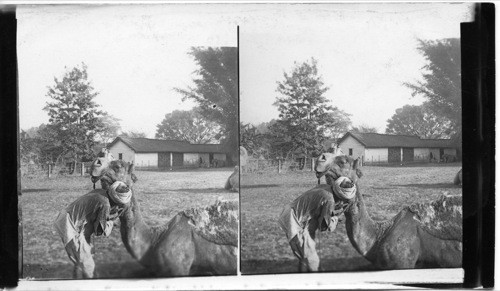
(119, 197)
(344, 193)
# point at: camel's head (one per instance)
(111, 171)
(334, 166)
(100, 165)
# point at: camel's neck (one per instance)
(136, 234)
(361, 229)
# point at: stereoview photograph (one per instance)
(128, 141)
(350, 117)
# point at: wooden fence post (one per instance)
(279, 166)
(312, 164)
(48, 170)
(83, 169)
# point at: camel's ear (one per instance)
(355, 164)
(357, 167)
(130, 169)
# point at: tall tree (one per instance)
(305, 115)
(441, 84)
(263, 127)
(420, 121)
(189, 126)
(216, 91)
(73, 114)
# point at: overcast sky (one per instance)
(137, 54)
(364, 52)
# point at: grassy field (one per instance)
(264, 248)
(161, 196)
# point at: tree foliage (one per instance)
(73, 114)
(339, 123)
(441, 84)
(255, 139)
(420, 121)
(110, 126)
(305, 115)
(189, 126)
(216, 91)
(364, 128)
(133, 134)
(40, 145)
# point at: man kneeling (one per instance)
(312, 210)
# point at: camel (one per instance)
(458, 178)
(202, 241)
(233, 182)
(243, 158)
(420, 235)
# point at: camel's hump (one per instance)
(217, 223)
(442, 218)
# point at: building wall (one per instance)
(394, 154)
(452, 152)
(191, 159)
(420, 154)
(205, 157)
(358, 150)
(128, 154)
(220, 157)
(376, 155)
(435, 153)
(408, 154)
(144, 160)
(177, 159)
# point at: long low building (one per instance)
(158, 153)
(389, 148)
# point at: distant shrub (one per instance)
(32, 170)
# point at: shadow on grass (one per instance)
(34, 190)
(259, 186)
(256, 267)
(104, 271)
(429, 186)
(127, 270)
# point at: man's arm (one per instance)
(103, 225)
(114, 213)
(328, 216)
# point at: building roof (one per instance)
(147, 145)
(378, 140)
